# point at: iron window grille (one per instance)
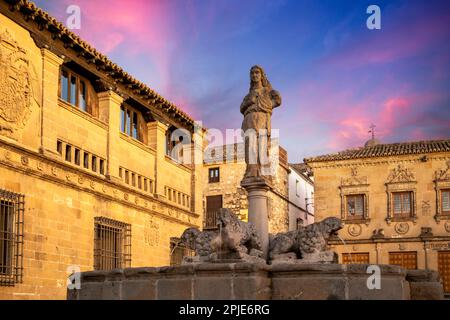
(178, 251)
(11, 237)
(112, 244)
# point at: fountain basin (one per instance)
(253, 281)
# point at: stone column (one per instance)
(51, 64)
(109, 103)
(258, 213)
(157, 140)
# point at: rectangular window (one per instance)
(145, 184)
(77, 156)
(297, 188)
(73, 90)
(139, 182)
(82, 96)
(68, 153)
(133, 180)
(64, 86)
(112, 244)
(120, 172)
(59, 147)
(214, 175)
(128, 123)
(11, 237)
(94, 163)
(122, 119)
(402, 204)
(86, 160)
(127, 177)
(355, 206)
(135, 126)
(102, 166)
(445, 201)
(150, 187)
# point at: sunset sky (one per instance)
(335, 76)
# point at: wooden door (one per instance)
(407, 260)
(444, 269)
(355, 258)
(213, 204)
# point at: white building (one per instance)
(301, 196)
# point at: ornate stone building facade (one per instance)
(86, 181)
(394, 200)
(223, 171)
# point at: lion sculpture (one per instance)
(234, 239)
(307, 244)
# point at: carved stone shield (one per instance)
(15, 86)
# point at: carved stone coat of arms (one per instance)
(16, 87)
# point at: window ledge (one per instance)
(82, 113)
(136, 142)
(398, 219)
(357, 221)
(439, 217)
(177, 163)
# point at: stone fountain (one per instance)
(242, 260)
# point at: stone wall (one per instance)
(244, 281)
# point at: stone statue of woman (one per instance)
(257, 109)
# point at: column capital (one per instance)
(110, 95)
(51, 57)
(157, 125)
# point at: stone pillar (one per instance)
(51, 64)
(258, 213)
(157, 140)
(109, 103)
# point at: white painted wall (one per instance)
(299, 189)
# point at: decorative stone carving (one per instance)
(444, 174)
(25, 161)
(354, 179)
(426, 232)
(447, 226)
(306, 245)
(426, 208)
(378, 234)
(151, 233)
(401, 227)
(235, 240)
(400, 174)
(17, 86)
(354, 230)
(125, 196)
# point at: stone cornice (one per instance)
(32, 163)
(349, 163)
(389, 240)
